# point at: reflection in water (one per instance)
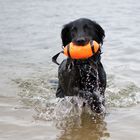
(85, 127)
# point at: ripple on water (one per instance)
(122, 93)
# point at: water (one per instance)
(30, 36)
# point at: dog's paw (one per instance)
(98, 108)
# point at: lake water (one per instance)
(30, 36)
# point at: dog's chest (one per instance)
(89, 78)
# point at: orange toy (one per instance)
(81, 52)
(78, 52)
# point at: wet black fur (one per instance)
(83, 77)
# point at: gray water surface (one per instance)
(30, 36)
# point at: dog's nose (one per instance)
(81, 41)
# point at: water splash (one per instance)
(68, 107)
(39, 93)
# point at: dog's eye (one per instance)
(73, 31)
(86, 27)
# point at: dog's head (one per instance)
(81, 31)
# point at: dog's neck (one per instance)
(94, 60)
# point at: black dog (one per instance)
(84, 78)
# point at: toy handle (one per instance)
(54, 58)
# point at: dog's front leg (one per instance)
(95, 101)
(59, 92)
(69, 78)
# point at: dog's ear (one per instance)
(66, 35)
(99, 32)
